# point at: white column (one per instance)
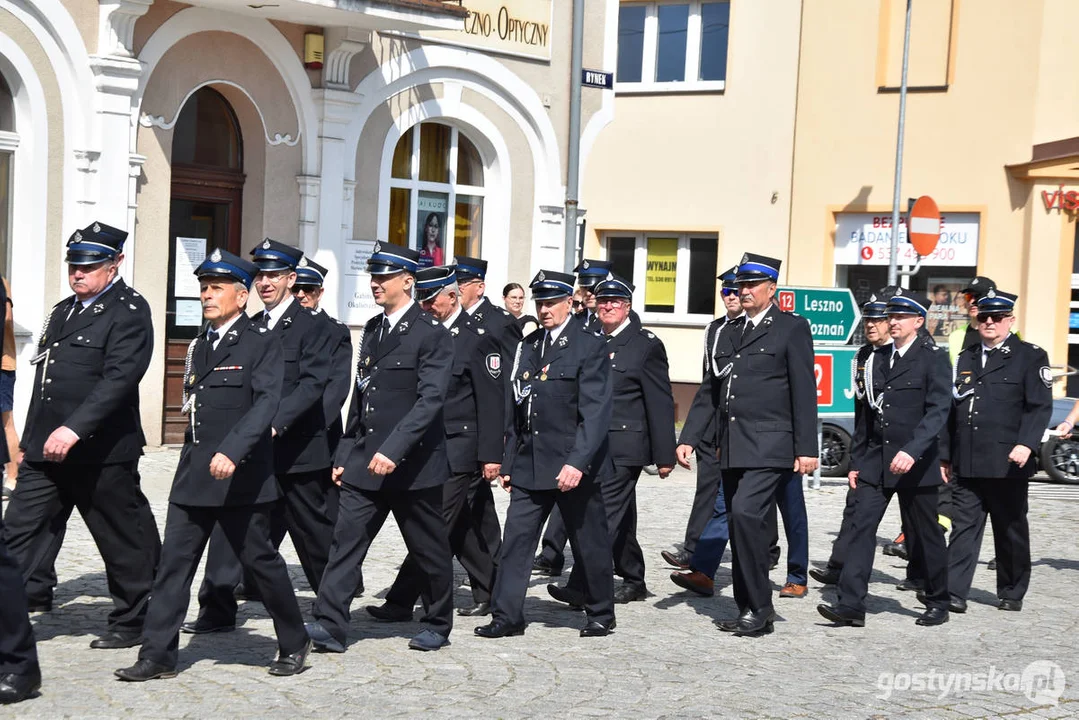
(112, 170)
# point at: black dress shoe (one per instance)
(293, 664)
(116, 640)
(909, 585)
(16, 687)
(242, 592)
(1010, 605)
(388, 612)
(597, 629)
(543, 566)
(571, 597)
(826, 576)
(626, 593)
(896, 549)
(201, 627)
(679, 559)
(499, 629)
(842, 616)
(933, 616)
(752, 624)
(955, 604)
(477, 610)
(144, 670)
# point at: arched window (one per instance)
(9, 141)
(207, 133)
(436, 167)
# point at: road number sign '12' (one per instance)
(831, 312)
(832, 368)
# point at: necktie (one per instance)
(895, 356)
(212, 336)
(207, 348)
(385, 328)
(547, 343)
(76, 308)
(264, 319)
(986, 354)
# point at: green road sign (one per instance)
(833, 367)
(832, 313)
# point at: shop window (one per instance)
(434, 168)
(672, 46)
(207, 133)
(674, 273)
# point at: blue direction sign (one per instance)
(832, 313)
(597, 79)
(833, 367)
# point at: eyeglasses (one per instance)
(727, 292)
(613, 302)
(993, 317)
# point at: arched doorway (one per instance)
(205, 213)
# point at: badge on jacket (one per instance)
(494, 365)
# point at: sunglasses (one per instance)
(306, 289)
(729, 291)
(993, 317)
(578, 303)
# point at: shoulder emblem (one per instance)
(494, 365)
(1046, 374)
(262, 330)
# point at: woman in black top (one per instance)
(513, 298)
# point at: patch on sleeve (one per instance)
(1046, 374)
(494, 365)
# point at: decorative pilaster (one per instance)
(342, 44)
(116, 26)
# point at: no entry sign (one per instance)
(924, 225)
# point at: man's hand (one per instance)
(336, 475)
(504, 481)
(1019, 455)
(59, 444)
(221, 468)
(852, 479)
(683, 453)
(945, 471)
(805, 465)
(381, 465)
(491, 470)
(568, 478)
(665, 471)
(901, 463)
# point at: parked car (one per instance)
(1058, 457)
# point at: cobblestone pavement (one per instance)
(667, 659)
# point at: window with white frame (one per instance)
(436, 168)
(674, 273)
(9, 142)
(672, 46)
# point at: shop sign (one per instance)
(514, 27)
(865, 239)
(660, 271)
(1060, 199)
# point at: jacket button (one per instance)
(55, 344)
(733, 419)
(466, 427)
(198, 424)
(623, 427)
(52, 362)
(48, 380)
(196, 442)
(535, 432)
(200, 387)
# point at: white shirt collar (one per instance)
(760, 316)
(279, 311)
(986, 348)
(448, 322)
(476, 306)
(395, 317)
(621, 327)
(223, 329)
(901, 351)
(558, 330)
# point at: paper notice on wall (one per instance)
(190, 252)
(188, 313)
(660, 272)
(358, 305)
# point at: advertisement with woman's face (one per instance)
(430, 228)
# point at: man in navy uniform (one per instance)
(589, 274)
(301, 446)
(556, 453)
(225, 476)
(83, 435)
(641, 433)
(20, 675)
(393, 455)
(472, 282)
(764, 399)
(475, 426)
(989, 450)
(709, 508)
(875, 325)
(895, 452)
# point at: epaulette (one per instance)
(648, 334)
(505, 312)
(374, 322)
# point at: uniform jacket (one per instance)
(707, 432)
(87, 378)
(762, 394)
(903, 409)
(562, 409)
(397, 405)
(1007, 403)
(476, 401)
(235, 392)
(301, 444)
(642, 416)
(340, 382)
(499, 323)
(589, 321)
